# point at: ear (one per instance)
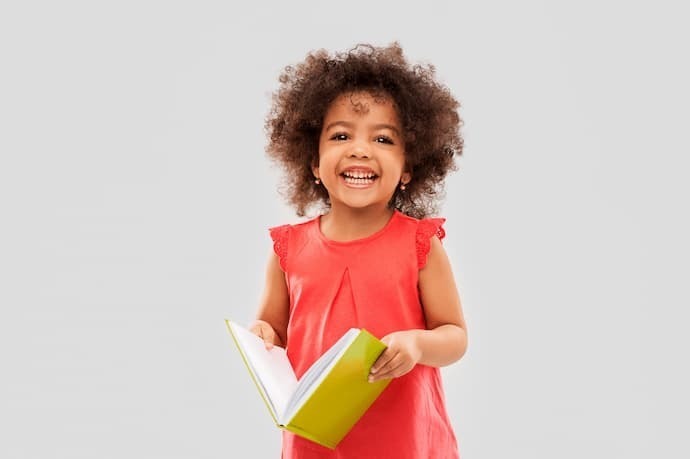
(315, 170)
(405, 178)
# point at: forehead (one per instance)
(363, 104)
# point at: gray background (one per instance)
(135, 198)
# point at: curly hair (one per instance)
(426, 109)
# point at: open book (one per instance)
(331, 396)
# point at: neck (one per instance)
(347, 224)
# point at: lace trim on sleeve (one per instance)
(279, 234)
(426, 229)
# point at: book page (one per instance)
(271, 368)
(319, 369)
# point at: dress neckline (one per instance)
(317, 226)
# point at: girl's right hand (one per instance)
(263, 330)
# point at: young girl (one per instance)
(370, 139)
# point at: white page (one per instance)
(318, 372)
(272, 368)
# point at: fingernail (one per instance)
(371, 379)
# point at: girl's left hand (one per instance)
(400, 357)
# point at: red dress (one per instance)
(369, 283)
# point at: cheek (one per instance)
(327, 158)
(397, 164)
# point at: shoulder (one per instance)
(283, 231)
(426, 231)
(286, 237)
(423, 227)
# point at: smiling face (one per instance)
(361, 151)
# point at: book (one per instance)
(329, 398)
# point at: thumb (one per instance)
(268, 335)
(264, 331)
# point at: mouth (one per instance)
(359, 177)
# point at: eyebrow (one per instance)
(375, 126)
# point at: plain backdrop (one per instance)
(135, 196)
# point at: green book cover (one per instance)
(331, 396)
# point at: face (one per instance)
(361, 152)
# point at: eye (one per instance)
(339, 136)
(384, 139)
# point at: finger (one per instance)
(268, 336)
(383, 360)
(390, 365)
(264, 332)
(396, 368)
(384, 370)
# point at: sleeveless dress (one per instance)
(368, 283)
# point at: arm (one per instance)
(445, 339)
(274, 308)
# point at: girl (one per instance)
(370, 139)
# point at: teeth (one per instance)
(358, 180)
(359, 175)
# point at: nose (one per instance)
(358, 151)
